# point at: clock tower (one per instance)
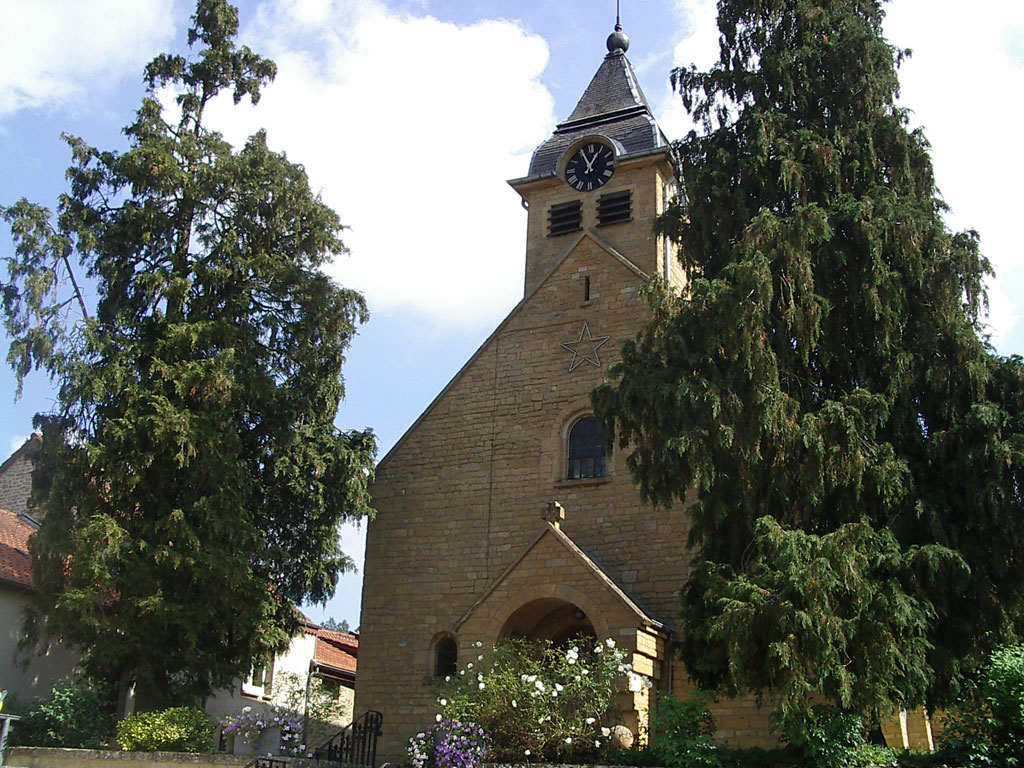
(606, 172)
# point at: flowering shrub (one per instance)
(537, 701)
(249, 725)
(449, 744)
(179, 729)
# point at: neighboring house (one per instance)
(317, 658)
(53, 665)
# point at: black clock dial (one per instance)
(590, 166)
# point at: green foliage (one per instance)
(828, 738)
(179, 729)
(195, 480)
(79, 716)
(537, 701)
(987, 725)
(681, 733)
(824, 382)
(337, 626)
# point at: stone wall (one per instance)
(47, 757)
(16, 477)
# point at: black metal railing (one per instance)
(355, 744)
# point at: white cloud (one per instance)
(15, 443)
(409, 144)
(55, 50)
(963, 85)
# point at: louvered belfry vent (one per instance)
(614, 208)
(565, 218)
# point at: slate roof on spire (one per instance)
(613, 106)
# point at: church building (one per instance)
(501, 512)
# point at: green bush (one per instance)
(537, 701)
(179, 729)
(681, 733)
(77, 716)
(828, 738)
(987, 725)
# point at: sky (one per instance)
(410, 116)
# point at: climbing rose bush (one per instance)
(537, 701)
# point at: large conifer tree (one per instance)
(195, 480)
(824, 383)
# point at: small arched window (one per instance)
(446, 656)
(586, 449)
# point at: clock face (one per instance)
(590, 167)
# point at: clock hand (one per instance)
(590, 162)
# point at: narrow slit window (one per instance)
(614, 208)
(446, 656)
(565, 218)
(586, 288)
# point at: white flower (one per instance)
(538, 685)
(571, 660)
(478, 644)
(606, 732)
(590, 720)
(531, 678)
(524, 678)
(462, 671)
(568, 739)
(482, 686)
(558, 687)
(597, 742)
(437, 717)
(443, 702)
(246, 709)
(447, 678)
(470, 665)
(554, 693)
(598, 649)
(526, 752)
(534, 694)
(479, 676)
(610, 643)
(578, 678)
(585, 671)
(540, 721)
(514, 705)
(480, 657)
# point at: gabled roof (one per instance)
(587, 234)
(15, 565)
(336, 653)
(613, 106)
(599, 574)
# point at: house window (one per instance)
(614, 208)
(586, 449)
(446, 656)
(260, 678)
(565, 218)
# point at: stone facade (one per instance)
(459, 548)
(16, 478)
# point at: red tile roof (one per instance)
(337, 651)
(14, 561)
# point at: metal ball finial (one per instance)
(618, 40)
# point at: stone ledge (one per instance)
(53, 757)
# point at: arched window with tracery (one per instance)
(586, 449)
(446, 657)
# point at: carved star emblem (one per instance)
(584, 349)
